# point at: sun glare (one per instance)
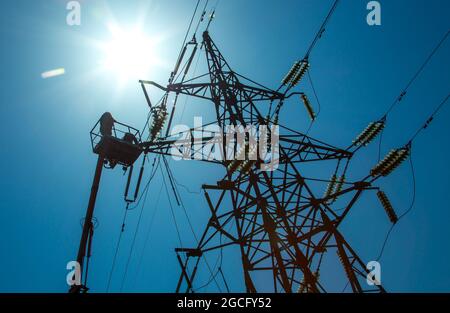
(129, 55)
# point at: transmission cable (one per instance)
(416, 74)
(171, 209)
(316, 38)
(188, 30)
(187, 98)
(117, 249)
(147, 185)
(175, 221)
(181, 203)
(410, 82)
(176, 225)
(321, 29)
(201, 17)
(147, 236)
(127, 208)
(135, 235)
(317, 100)
(425, 126)
(218, 265)
(431, 118)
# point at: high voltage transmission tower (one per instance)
(283, 228)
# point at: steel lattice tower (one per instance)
(281, 224)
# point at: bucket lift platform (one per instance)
(121, 147)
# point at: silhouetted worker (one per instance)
(130, 138)
(106, 124)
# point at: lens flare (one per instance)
(129, 54)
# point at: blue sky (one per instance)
(47, 163)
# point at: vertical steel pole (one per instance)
(88, 218)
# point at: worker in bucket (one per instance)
(106, 124)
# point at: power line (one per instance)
(147, 185)
(175, 75)
(134, 240)
(213, 14)
(315, 40)
(321, 29)
(176, 224)
(193, 41)
(224, 280)
(187, 188)
(218, 265)
(380, 141)
(201, 17)
(123, 223)
(187, 98)
(178, 195)
(431, 118)
(427, 123)
(171, 209)
(417, 73)
(317, 100)
(404, 91)
(187, 31)
(147, 236)
(116, 250)
(181, 203)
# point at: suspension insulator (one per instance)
(317, 275)
(247, 164)
(277, 111)
(308, 107)
(240, 155)
(233, 166)
(304, 66)
(275, 120)
(347, 267)
(188, 66)
(369, 133)
(159, 117)
(384, 163)
(177, 65)
(339, 186)
(330, 186)
(302, 288)
(390, 162)
(384, 200)
(236, 163)
(291, 73)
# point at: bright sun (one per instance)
(129, 55)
